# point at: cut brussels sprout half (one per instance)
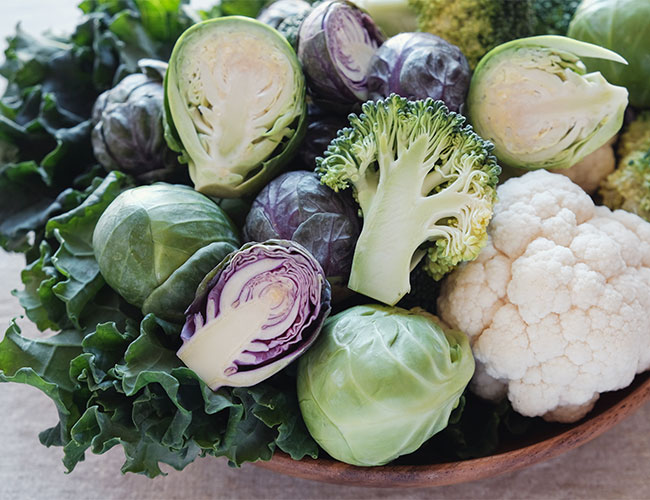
(234, 104)
(534, 99)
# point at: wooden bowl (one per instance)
(542, 443)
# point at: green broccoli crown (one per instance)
(628, 187)
(422, 178)
(553, 16)
(636, 136)
(476, 26)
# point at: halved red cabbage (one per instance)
(256, 312)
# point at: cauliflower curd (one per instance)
(556, 306)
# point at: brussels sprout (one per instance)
(277, 12)
(624, 27)
(234, 104)
(296, 206)
(153, 254)
(381, 381)
(534, 100)
(417, 66)
(335, 44)
(257, 311)
(128, 127)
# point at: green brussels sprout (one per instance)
(154, 254)
(234, 104)
(534, 100)
(128, 127)
(380, 381)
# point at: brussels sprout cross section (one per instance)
(234, 104)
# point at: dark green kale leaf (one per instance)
(45, 112)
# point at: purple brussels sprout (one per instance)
(417, 66)
(256, 312)
(128, 131)
(296, 206)
(335, 45)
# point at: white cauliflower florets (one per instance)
(557, 304)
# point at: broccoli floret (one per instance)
(553, 16)
(475, 26)
(628, 187)
(636, 136)
(425, 183)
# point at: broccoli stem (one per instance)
(392, 229)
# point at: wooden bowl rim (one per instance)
(393, 476)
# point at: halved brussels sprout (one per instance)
(234, 104)
(534, 99)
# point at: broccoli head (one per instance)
(553, 16)
(425, 184)
(628, 187)
(475, 26)
(636, 136)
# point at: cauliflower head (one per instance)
(556, 305)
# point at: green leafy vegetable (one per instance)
(53, 84)
(114, 376)
(127, 387)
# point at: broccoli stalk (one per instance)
(425, 184)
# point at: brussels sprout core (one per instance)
(533, 99)
(234, 93)
(264, 306)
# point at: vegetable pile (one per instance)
(318, 232)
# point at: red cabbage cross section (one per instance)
(260, 309)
